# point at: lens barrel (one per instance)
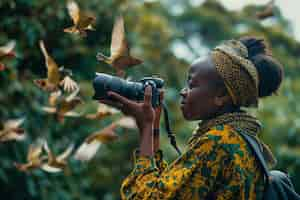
(104, 83)
(129, 89)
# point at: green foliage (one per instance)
(152, 29)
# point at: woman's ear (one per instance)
(222, 100)
(222, 97)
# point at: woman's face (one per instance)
(198, 97)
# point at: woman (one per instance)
(217, 163)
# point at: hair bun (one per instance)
(255, 46)
(270, 71)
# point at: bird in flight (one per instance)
(82, 21)
(56, 77)
(10, 130)
(93, 142)
(34, 158)
(120, 57)
(62, 106)
(6, 52)
(56, 163)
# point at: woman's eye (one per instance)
(190, 85)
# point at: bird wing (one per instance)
(7, 47)
(87, 20)
(93, 137)
(51, 156)
(12, 135)
(105, 135)
(268, 10)
(128, 61)
(53, 75)
(13, 123)
(19, 137)
(74, 11)
(87, 151)
(66, 153)
(69, 84)
(119, 45)
(49, 109)
(73, 95)
(35, 150)
(72, 114)
(46, 167)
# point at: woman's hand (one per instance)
(143, 112)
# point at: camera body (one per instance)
(129, 89)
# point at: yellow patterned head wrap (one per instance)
(239, 73)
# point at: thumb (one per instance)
(148, 95)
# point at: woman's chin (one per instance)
(188, 115)
(185, 114)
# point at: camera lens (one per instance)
(104, 83)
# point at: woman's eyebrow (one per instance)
(189, 76)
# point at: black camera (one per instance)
(129, 89)
(134, 91)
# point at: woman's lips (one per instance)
(182, 103)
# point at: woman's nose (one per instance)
(184, 92)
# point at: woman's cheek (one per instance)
(191, 112)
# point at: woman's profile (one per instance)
(217, 163)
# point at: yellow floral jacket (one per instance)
(218, 165)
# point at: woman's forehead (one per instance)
(202, 66)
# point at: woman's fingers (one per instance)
(119, 98)
(127, 106)
(148, 95)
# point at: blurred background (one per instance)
(168, 35)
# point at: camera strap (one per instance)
(171, 135)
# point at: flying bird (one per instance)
(56, 76)
(267, 12)
(11, 130)
(82, 20)
(92, 143)
(102, 112)
(56, 163)
(62, 106)
(120, 57)
(34, 158)
(7, 51)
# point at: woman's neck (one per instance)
(226, 109)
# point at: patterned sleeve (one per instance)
(159, 161)
(198, 165)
